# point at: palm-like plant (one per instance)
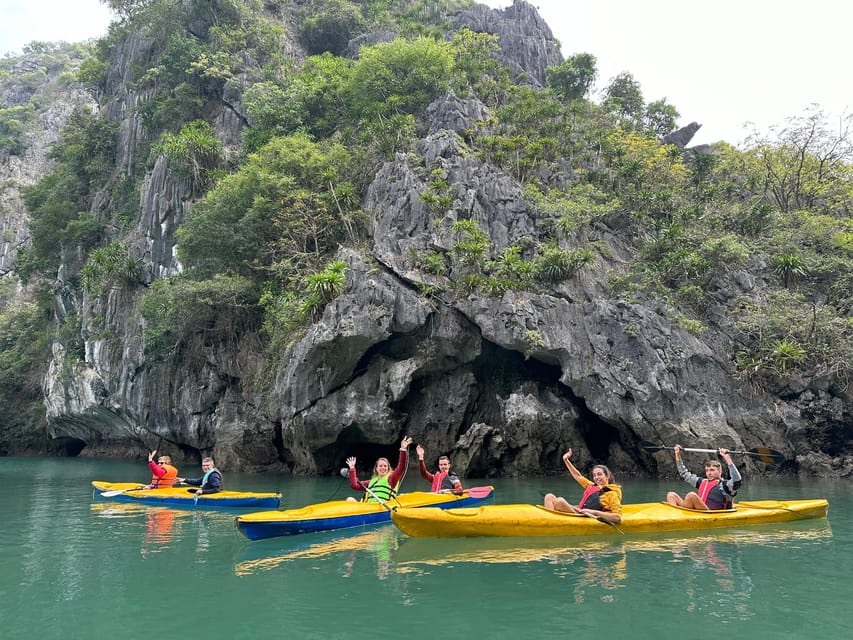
(790, 267)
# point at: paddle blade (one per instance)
(767, 455)
(651, 447)
(118, 492)
(479, 492)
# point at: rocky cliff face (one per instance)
(33, 79)
(503, 385)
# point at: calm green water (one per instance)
(72, 567)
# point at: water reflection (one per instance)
(602, 561)
(159, 527)
(381, 544)
(162, 528)
(716, 583)
(448, 551)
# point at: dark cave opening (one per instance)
(70, 447)
(351, 442)
(498, 373)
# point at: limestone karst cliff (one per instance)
(502, 380)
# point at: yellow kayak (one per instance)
(534, 520)
(182, 496)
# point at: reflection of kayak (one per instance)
(341, 514)
(533, 520)
(437, 551)
(335, 542)
(184, 496)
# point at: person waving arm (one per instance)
(577, 475)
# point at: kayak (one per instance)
(342, 514)
(534, 520)
(182, 496)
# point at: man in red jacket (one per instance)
(443, 481)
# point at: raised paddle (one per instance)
(764, 454)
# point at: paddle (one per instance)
(579, 514)
(118, 492)
(378, 499)
(473, 492)
(764, 454)
(479, 492)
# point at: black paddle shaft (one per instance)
(764, 454)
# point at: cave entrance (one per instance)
(351, 442)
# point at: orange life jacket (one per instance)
(166, 480)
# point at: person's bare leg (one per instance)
(674, 499)
(693, 501)
(561, 504)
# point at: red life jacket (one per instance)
(588, 493)
(704, 492)
(437, 479)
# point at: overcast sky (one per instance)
(720, 63)
(22, 21)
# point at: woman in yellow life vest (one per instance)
(163, 474)
(384, 481)
(602, 497)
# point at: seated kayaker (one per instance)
(163, 474)
(601, 499)
(384, 482)
(712, 492)
(443, 481)
(210, 482)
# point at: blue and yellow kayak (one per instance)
(183, 496)
(342, 514)
(534, 520)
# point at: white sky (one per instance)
(721, 63)
(22, 21)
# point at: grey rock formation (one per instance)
(682, 137)
(458, 115)
(368, 39)
(527, 43)
(20, 170)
